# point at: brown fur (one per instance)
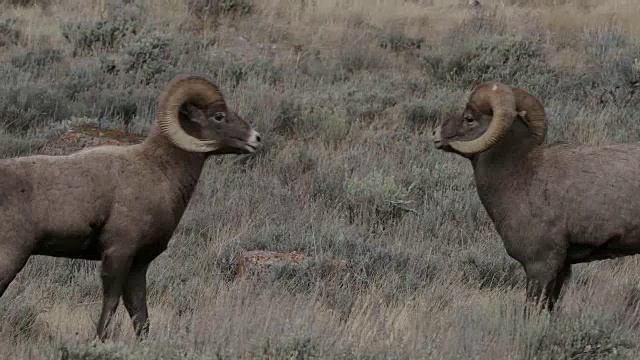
(118, 204)
(554, 205)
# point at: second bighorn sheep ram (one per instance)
(117, 204)
(553, 205)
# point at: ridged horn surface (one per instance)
(197, 90)
(491, 98)
(535, 114)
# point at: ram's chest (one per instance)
(518, 220)
(155, 217)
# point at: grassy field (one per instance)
(346, 94)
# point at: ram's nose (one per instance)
(255, 137)
(437, 137)
(253, 143)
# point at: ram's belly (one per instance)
(75, 235)
(579, 253)
(82, 245)
(606, 241)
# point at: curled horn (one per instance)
(534, 113)
(194, 89)
(491, 98)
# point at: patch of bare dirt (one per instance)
(256, 262)
(82, 136)
(240, 46)
(259, 262)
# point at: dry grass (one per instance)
(345, 93)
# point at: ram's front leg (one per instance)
(116, 264)
(10, 265)
(16, 245)
(544, 282)
(558, 283)
(135, 299)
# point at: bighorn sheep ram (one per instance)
(118, 204)
(553, 205)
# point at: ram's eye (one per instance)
(468, 118)
(219, 116)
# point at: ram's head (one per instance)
(487, 117)
(194, 116)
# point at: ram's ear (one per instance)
(190, 112)
(522, 115)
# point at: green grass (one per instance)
(345, 98)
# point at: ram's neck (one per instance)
(181, 167)
(502, 173)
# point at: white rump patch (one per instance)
(495, 87)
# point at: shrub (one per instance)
(96, 350)
(295, 165)
(235, 7)
(296, 348)
(38, 58)
(357, 58)
(367, 101)
(372, 198)
(27, 3)
(9, 32)
(149, 55)
(212, 9)
(328, 184)
(31, 105)
(509, 59)
(493, 273)
(394, 40)
(421, 115)
(12, 145)
(583, 338)
(106, 34)
(302, 117)
(18, 316)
